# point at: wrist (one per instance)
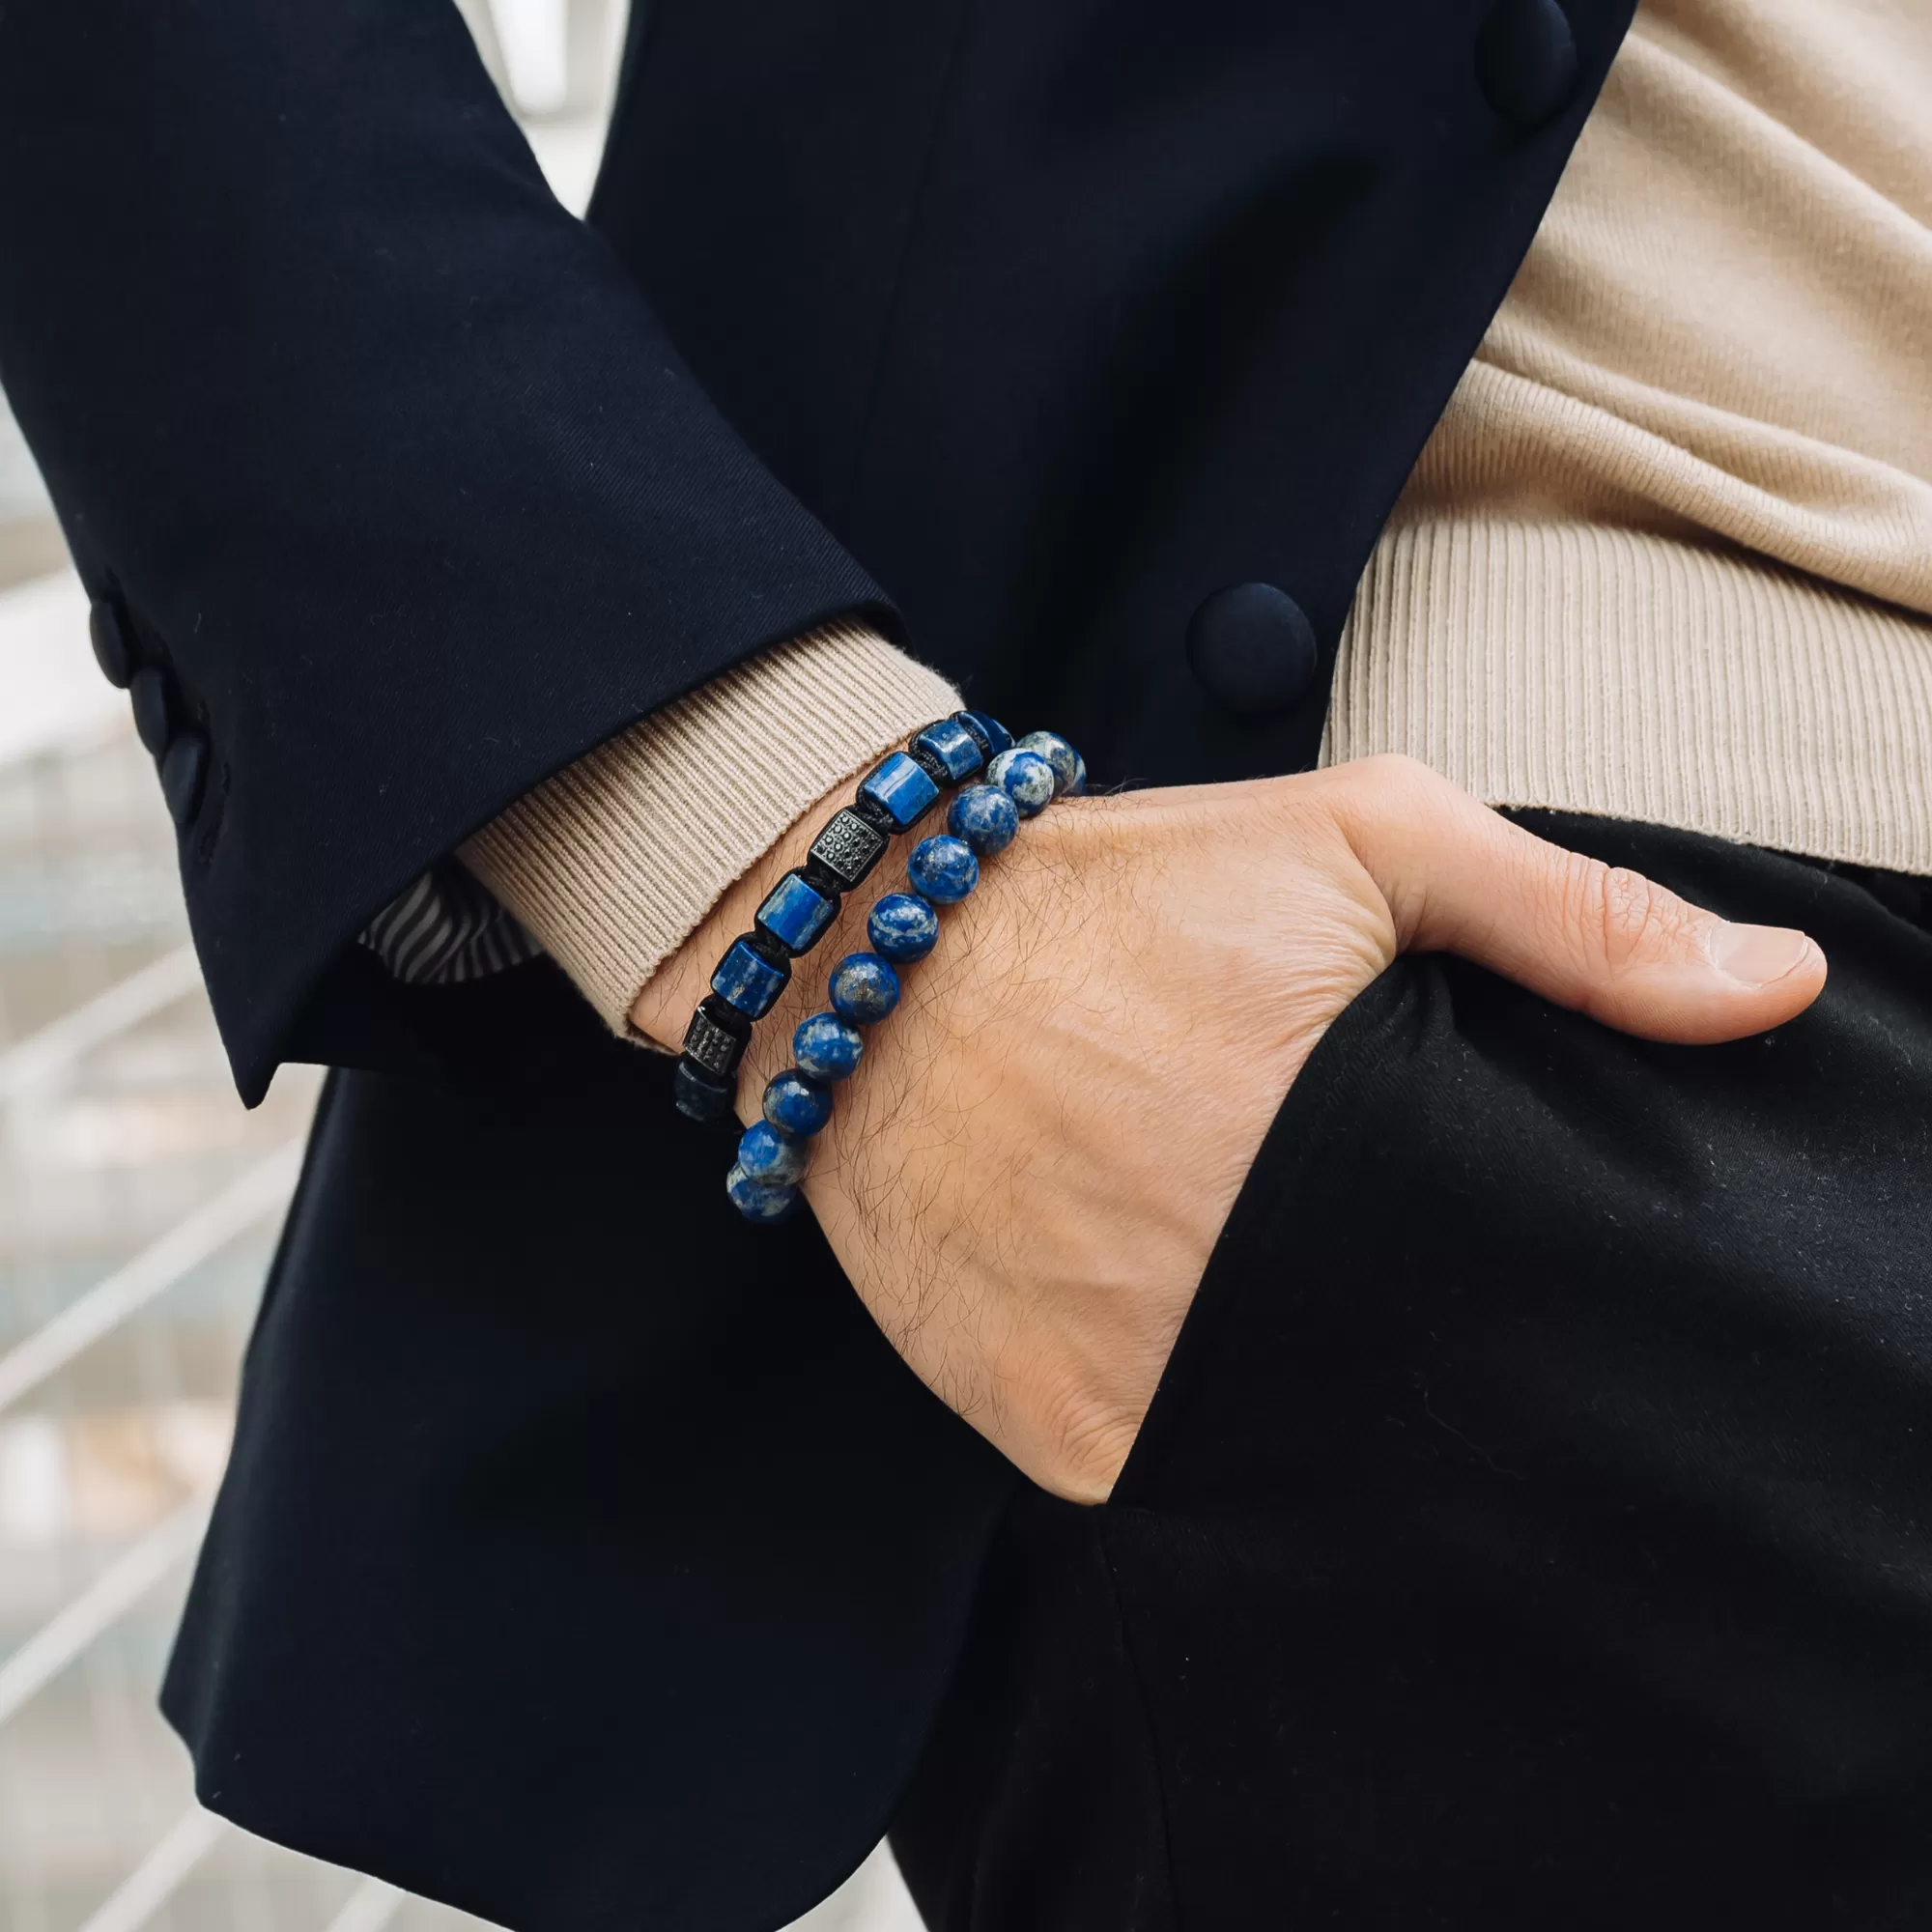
(663, 1008)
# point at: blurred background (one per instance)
(138, 1208)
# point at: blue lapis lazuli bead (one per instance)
(903, 927)
(776, 1158)
(796, 911)
(864, 988)
(953, 746)
(796, 1105)
(943, 869)
(748, 982)
(992, 730)
(759, 1200)
(826, 1047)
(900, 789)
(1069, 768)
(1026, 778)
(985, 817)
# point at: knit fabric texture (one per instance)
(1668, 554)
(613, 863)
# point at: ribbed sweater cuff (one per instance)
(613, 861)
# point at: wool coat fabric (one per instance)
(586, 1557)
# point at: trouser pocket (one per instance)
(1369, 1042)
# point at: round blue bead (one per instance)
(826, 1047)
(1026, 778)
(796, 1105)
(943, 869)
(1069, 768)
(985, 817)
(773, 1157)
(759, 1200)
(903, 927)
(864, 988)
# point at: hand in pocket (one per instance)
(1026, 1177)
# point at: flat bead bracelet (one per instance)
(757, 967)
(775, 1152)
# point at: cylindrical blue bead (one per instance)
(998, 738)
(827, 1047)
(985, 817)
(904, 926)
(953, 746)
(748, 982)
(900, 789)
(864, 989)
(796, 1105)
(1026, 778)
(1069, 768)
(796, 913)
(776, 1158)
(759, 1200)
(943, 869)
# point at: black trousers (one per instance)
(1534, 1524)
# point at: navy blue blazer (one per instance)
(586, 1558)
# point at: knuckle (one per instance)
(1393, 776)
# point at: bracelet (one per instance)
(775, 1152)
(757, 967)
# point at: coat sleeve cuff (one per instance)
(613, 861)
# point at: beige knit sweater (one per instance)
(1668, 554)
(1667, 557)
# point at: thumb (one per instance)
(1601, 939)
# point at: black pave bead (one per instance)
(702, 1095)
(715, 1039)
(849, 847)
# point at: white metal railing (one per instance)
(260, 1191)
(39, 1060)
(158, 1877)
(69, 1632)
(369, 1909)
(42, 1056)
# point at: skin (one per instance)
(1026, 1175)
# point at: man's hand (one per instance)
(1026, 1175)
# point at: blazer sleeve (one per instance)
(392, 494)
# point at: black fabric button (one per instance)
(112, 651)
(149, 690)
(1527, 61)
(184, 773)
(1251, 649)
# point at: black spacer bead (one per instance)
(821, 878)
(769, 947)
(977, 736)
(720, 1011)
(928, 762)
(699, 1094)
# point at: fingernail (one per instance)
(1757, 955)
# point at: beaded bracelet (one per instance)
(757, 967)
(1023, 779)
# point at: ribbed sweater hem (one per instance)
(1613, 672)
